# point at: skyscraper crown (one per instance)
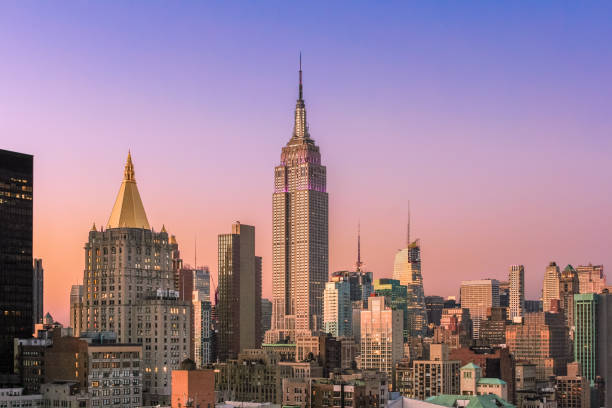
(128, 211)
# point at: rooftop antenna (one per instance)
(359, 264)
(195, 252)
(300, 75)
(408, 228)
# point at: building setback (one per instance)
(16, 318)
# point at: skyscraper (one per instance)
(567, 289)
(517, 291)
(585, 336)
(382, 343)
(407, 270)
(129, 288)
(591, 278)
(202, 329)
(550, 288)
(337, 310)
(478, 296)
(201, 317)
(540, 339)
(395, 296)
(300, 232)
(15, 252)
(604, 344)
(76, 309)
(239, 306)
(38, 275)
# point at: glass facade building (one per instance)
(16, 318)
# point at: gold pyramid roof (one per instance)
(128, 211)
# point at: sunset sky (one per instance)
(494, 119)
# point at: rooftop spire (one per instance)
(300, 129)
(128, 173)
(301, 93)
(359, 264)
(128, 211)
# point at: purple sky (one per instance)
(493, 119)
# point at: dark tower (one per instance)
(15, 252)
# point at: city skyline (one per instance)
(187, 172)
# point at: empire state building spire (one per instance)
(300, 128)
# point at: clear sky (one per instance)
(493, 118)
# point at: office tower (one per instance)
(201, 282)
(337, 310)
(360, 282)
(568, 287)
(572, 390)
(239, 306)
(407, 270)
(504, 293)
(540, 339)
(190, 281)
(604, 344)
(300, 233)
(517, 291)
(434, 306)
(493, 329)
(37, 291)
(266, 315)
(533, 306)
(550, 288)
(395, 296)
(202, 329)
(591, 278)
(382, 344)
(477, 296)
(130, 288)
(76, 308)
(455, 327)
(585, 335)
(15, 252)
(438, 375)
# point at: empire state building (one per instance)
(300, 233)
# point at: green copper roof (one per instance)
(491, 381)
(470, 366)
(475, 401)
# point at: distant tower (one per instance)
(586, 335)
(568, 287)
(407, 270)
(76, 309)
(517, 291)
(37, 291)
(300, 233)
(477, 296)
(550, 287)
(337, 311)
